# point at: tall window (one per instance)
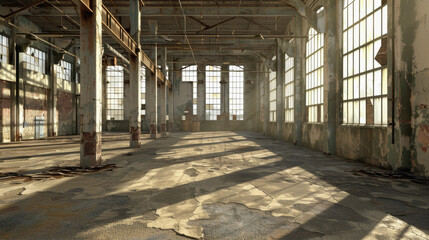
(289, 88)
(115, 92)
(194, 97)
(64, 70)
(212, 92)
(236, 92)
(273, 96)
(364, 79)
(4, 49)
(314, 76)
(189, 74)
(35, 60)
(143, 90)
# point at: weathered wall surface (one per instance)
(66, 121)
(35, 105)
(118, 126)
(288, 132)
(366, 144)
(411, 86)
(182, 95)
(314, 136)
(5, 111)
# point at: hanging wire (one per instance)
(186, 36)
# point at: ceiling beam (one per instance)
(176, 12)
(10, 15)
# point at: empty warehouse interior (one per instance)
(237, 119)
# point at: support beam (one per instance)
(197, 12)
(152, 91)
(280, 101)
(135, 61)
(12, 14)
(316, 20)
(53, 116)
(332, 55)
(91, 89)
(112, 26)
(163, 95)
(170, 120)
(201, 92)
(299, 73)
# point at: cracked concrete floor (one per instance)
(209, 185)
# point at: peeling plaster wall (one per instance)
(5, 111)
(411, 56)
(366, 144)
(66, 123)
(288, 132)
(35, 105)
(314, 135)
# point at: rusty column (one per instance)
(163, 94)
(134, 98)
(152, 88)
(91, 81)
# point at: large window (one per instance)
(115, 92)
(4, 49)
(236, 92)
(212, 92)
(143, 90)
(35, 60)
(289, 88)
(364, 79)
(314, 76)
(64, 70)
(189, 74)
(194, 97)
(273, 96)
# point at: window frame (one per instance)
(363, 105)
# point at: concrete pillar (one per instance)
(104, 97)
(135, 83)
(333, 60)
(299, 72)
(177, 97)
(152, 99)
(163, 94)
(91, 75)
(265, 99)
(75, 105)
(280, 83)
(52, 99)
(170, 121)
(224, 94)
(201, 92)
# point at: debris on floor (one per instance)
(392, 175)
(55, 172)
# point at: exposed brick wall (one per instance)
(66, 123)
(35, 105)
(5, 111)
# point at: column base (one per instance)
(163, 130)
(153, 131)
(90, 150)
(135, 137)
